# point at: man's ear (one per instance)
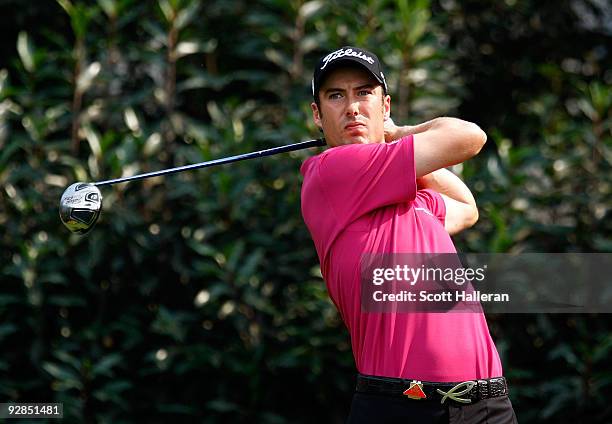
(387, 106)
(316, 116)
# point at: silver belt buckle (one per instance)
(454, 393)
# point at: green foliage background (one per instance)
(198, 296)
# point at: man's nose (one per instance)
(352, 109)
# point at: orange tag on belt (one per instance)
(415, 391)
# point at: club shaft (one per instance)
(261, 153)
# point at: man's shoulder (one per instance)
(312, 162)
(309, 164)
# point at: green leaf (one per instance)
(166, 9)
(87, 77)
(7, 152)
(26, 51)
(109, 7)
(67, 6)
(67, 377)
(114, 392)
(80, 17)
(185, 48)
(221, 405)
(310, 8)
(7, 329)
(69, 359)
(8, 299)
(105, 366)
(93, 139)
(186, 15)
(3, 83)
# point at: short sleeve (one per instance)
(434, 202)
(359, 178)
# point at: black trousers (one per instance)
(381, 409)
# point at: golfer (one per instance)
(382, 188)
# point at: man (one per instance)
(382, 188)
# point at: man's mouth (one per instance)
(354, 125)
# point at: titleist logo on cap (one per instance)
(342, 53)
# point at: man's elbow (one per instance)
(475, 138)
(472, 217)
(463, 221)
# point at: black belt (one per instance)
(463, 392)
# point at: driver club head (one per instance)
(80, 207)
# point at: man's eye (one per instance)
(364, 92)
(335, 96)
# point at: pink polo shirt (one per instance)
(359, 199)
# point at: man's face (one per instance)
(352, 109)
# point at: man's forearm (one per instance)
(439, 143)
(445, 182)
(441, 122)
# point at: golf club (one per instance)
(81, 203)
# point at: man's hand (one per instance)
(392, 131)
